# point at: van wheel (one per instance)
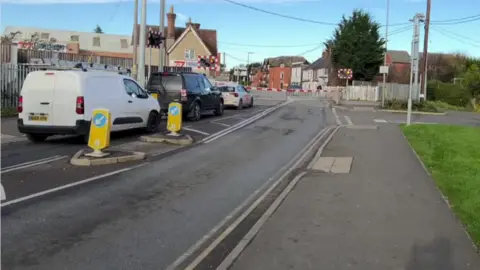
(152, 122)
(219, 110)
(36, 138)
(196, 112)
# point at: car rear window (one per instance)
(169, 82)
(226, 89)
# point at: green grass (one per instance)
(8, 112)
(452, 155)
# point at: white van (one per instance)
(58, 102)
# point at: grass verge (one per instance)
(452, 155)
(8, 112)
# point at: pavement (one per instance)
(383, 213)
(146, 215)
(360, 115)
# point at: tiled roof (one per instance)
(318, 64)
(208, 36)
(286, 60)
(399, 56)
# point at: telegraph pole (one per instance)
(414, 63)
(425, 51)
(143, 40)
(385, 58)
(135, 40)
(161, 53)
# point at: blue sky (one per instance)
(239, 25)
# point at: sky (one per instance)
(241, 30)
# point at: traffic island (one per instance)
(82, 157)
(179, 139)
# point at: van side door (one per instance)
(133, 107)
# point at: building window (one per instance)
(74, 38)
(281, 75)
(189, 54)
(281, 85)
(123, 43)
(96, 41)
(44, 36)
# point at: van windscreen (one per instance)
(168, 82)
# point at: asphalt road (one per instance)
(147, 217)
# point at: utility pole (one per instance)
(425, 51)
(385, 58)
(135, 40)
(248, 62)
(143, 40)
(414, 63)
(161, 53)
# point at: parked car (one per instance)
(236, 96)
(193, 90)
(55, 102)
(294, 87)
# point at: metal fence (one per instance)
(11, 81)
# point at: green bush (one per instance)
(453, 94)
(402, 105)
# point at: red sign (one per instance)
(178, 63)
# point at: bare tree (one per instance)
(8, 38)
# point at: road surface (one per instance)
(147, 217)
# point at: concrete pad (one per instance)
(116, 156)
(380, 121)
(361, 127)
(341, 165)
(183, 139)
(324, 164)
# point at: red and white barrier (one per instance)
(294, 91)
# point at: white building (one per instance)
(297, 73)
(315, 75)
(57, 40)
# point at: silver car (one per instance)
(236, 96)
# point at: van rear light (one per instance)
(49, 73)
(80, 105)
(20, 104)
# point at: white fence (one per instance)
(393, 91)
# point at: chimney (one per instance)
(196, 26)
(171, 24)
(187, 24)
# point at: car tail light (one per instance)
(80, 105)
(183, 95)
(20, 104)
(234, 94)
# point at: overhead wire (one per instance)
(466, 19)
(453, 37)
(458, 35)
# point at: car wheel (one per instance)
(240, 105)
(219, 110)
(36, 138)
(196, 113)
(152, 122)
(251, 103)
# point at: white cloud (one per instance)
(40, 2)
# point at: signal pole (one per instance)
(143, 40)
(425, 51)
(414, 64)
(161, 53)
(248, 63)
(135, 40)
(385, 58)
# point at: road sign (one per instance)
(174, 122)
(100, 130)
(383, 69)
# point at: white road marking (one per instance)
(196, 131)
(243, 123)
(380, 121)
(337, 118)
(285, 171)
(31, 163)
(349, 121)
(5, 138)
(45, 192)
(221, 124)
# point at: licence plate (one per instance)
(40, 118)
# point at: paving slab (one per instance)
(386, 214)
